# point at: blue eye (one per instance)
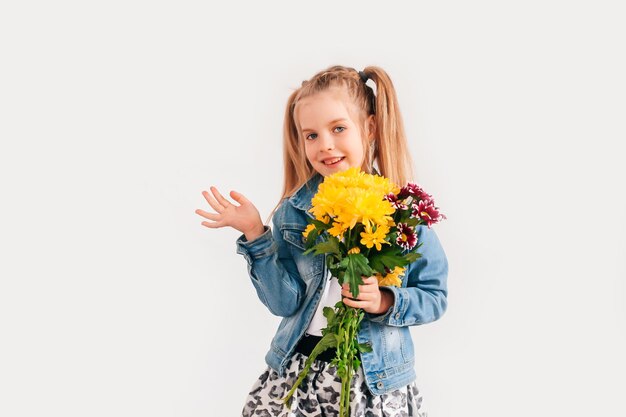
(310, 136)
(340, 127)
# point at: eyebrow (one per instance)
(332, 122)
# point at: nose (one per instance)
(326, 142)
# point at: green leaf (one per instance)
(332, 262)
(329, 313)
(389, 258)
(320, 224)
(356, 265)
(311, 238)
(412, 256)
(413, 221)
(340, 274)
(326, 342)
(329, 246)
(364, 347)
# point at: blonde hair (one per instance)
(390, 149)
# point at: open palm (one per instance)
(243, 217)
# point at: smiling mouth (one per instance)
(333, 161)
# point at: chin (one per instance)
(333, 170)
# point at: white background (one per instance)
(114, 116)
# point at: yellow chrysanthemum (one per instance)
(337, 230)
(355, 178)
(392, 279)
(326, 199)
(352, 197)
(371, 238)
(372, 209)
(355, 249)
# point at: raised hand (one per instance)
(243, 217)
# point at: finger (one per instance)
(370, 284)
(346, 289)
(346, 285)
(368, 289)
(220, 198)
(354, 303)
(363, 296)
(372, 287)
(238, 197)
(207, 215)
(370, 280)
(212, 202)
(348, 295)
(213, 225)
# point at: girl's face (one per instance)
(333, 141)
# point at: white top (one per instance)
(330, 296)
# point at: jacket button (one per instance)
(380, 385)
(397, 316)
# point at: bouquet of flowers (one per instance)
(366, 226)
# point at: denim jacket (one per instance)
(290, 284)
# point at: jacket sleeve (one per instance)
(273, 271)
(424, 298)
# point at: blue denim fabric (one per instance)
(290, 285)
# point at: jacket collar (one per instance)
(301, 199)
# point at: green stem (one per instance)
(350, 326)
(342, 336)
(325, 343)
(349, 241)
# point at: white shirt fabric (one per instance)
(330, 296)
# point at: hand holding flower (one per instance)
(371, 298)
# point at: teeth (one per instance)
(332, 161)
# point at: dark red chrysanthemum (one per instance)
(415, 191)
(427, 212)
(395, 202)
(407, 238)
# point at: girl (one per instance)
(334, 121)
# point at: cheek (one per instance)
(358, 151)
(309, 151)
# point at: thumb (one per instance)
(238, 197)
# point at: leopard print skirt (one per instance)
(318, 395)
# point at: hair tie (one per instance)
(368, 92)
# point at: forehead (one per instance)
(323, 107)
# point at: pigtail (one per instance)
(290, 142)
(297, 169)
(391, 147)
